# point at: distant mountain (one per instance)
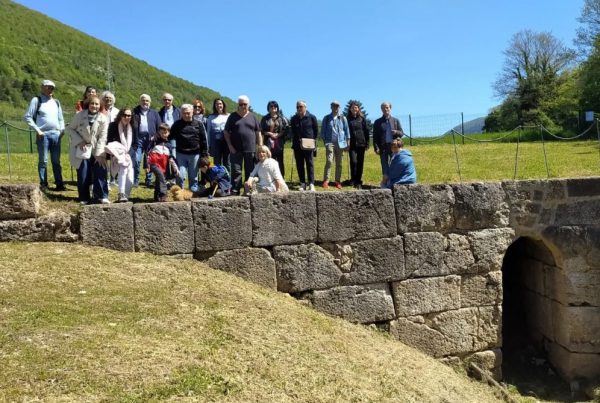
(471, 127)
(34, 47)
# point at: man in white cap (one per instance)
(336, 136)
(45, 117)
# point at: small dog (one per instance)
(180, 194)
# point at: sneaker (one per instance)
(122, 198)
(302, 187)
(338, 185)
(358, 187)
(325, 184)
(44, 188)
(60, 188)
(136, 184)
(83, 202)
(311, 187)
(104, 201)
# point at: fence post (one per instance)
(8, 153)
(462, 126)
(410, 128)
(30, 142)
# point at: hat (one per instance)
(335, 103)
(48, 83)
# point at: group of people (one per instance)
(175, 144)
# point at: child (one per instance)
(217, 176)
(160, 162)
(402, 168)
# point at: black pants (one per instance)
(160, 184)
(237, 160)
(357, 162)
(278, 156)
(305, 157)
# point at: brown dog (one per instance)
(179, 194)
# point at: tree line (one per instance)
(543, 81)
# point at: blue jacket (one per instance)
(341, 127)
(402, 169)
(153, 121)
(176, 114)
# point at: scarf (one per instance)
(125, 136)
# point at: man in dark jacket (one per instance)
(145, 122)
(385, 129)
(304, 125)
(190, 140)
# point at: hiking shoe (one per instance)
(302, 187)
(311, 187)
(122, 198)
(104, 201)
(325, 184)
(60, 188)
(84, 202)
(338, 185)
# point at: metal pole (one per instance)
(8, 154)
(410, 128)
(456, 155)
(462, 127)
(517, 153)
(544, 148)
(30, 142)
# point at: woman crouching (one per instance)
(266, 176)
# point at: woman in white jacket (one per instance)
(88, 132)
(266, 176)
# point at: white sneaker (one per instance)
(105, 201)
(311, 187)
(302, 187)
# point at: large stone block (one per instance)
(572, 365)
(576, 288)
(110, 226)
(357, 303)
(581, 243)
(19, 201)
(455, 332)
(431, 254)
(584, 212)
(305, 267)
(53, 227)
(164, 228)
(252, 264)
(220, 224)
(426, 295)
(481, 290)
(370, 261)
(577, 328)
(421, 208)
(480, 205)
(489, 247)
(344, 216)
(284, 218)
(583, 187)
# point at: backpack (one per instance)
(39, 105)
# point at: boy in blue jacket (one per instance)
(402, 167)
(218, 176)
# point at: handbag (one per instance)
(84, 154)
(307, 144)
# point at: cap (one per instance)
(48, 83)
(335, 103)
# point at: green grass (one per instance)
(79, 323)
(437, 162)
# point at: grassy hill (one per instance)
(35, 47)
(86, 324)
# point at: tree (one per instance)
(586, 35)
(362, 110)
(531, 74)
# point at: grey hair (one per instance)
(301, 102)
(167, 95)
(145, 96)
(109, 94)
(244, 98)
(384, 103)
(186, 106)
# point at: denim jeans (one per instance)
(49, 144)
(141, 151)
(90, 173)
(188, 166)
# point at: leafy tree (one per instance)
(533, 70)
(362, 110)
(587, 34)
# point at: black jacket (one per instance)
(303, 127)
(190, 137)
(113, 134)
(379, 131)
(359, 132)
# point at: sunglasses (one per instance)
(243, 104)
(126, 116)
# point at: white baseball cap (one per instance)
(48, 83)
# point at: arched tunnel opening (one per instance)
(527, 278)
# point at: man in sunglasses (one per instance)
(242, 134)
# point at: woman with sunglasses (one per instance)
(121, 145)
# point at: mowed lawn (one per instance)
(435, 163)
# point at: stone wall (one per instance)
(423, 262)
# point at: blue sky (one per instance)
(428, 57)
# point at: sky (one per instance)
(426, 57)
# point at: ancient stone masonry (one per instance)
(424, 262)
